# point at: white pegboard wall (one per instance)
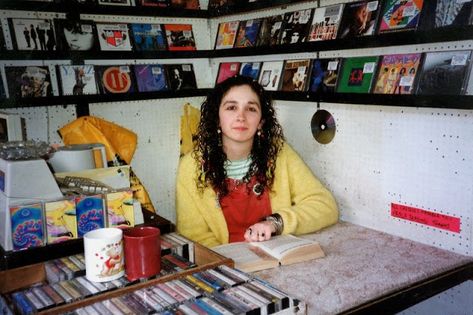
(42, 123)
(156, 123)
(382, 155)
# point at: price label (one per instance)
(122, 27)
(249, 23)
(186, 68)
(277, 25)
(463, 1)
(406, 81)
(368, 67)
(301, 69)
(233, 67)
(86, 28)
(43, 26)
(305, 16)
(332, 65)
(187, 34)
(372, 6)
(409, 11)
(155, 27)
(459, 60)
(124, 69)
(255, 66)
(156, 70)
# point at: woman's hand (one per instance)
(259, 232)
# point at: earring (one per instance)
(219, 132)
(258, 138)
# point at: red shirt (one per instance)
(242, 208)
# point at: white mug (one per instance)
(103, 251)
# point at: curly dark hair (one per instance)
(210, 155)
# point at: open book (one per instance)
(279, 250)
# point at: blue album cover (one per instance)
(150, 78)
(250, 69)
(27, 226)
(248, 33)
(90, 214)
(324, 75)
(148, 37)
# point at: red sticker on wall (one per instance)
(441, 221)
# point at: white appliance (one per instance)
(21, 183)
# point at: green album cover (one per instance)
(357, 74)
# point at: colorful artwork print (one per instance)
(357, 75)
(114, 79)
(250, 69)
(61, 223)
(110, 259)
(148, 37)
(401, 15)
(150, 78)
(247, 33)
(27, 226)
(397, 73)
(113, 37)
(324, 75)
(325, 23)
(89, 213)
(30, 81)
(359, 19)
(120, 209)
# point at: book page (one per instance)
(246, 257)
(281, 245)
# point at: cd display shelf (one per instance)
(16, 259)
(12, 280)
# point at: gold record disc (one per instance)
(323, 126)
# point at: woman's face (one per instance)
(79, 40)
(239, 116)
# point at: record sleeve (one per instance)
(324, 75)
(150, 78)
(227, 70)
(250, 69)
(113, 36)
(226, 35)
(325, 23)
(295, 75)
(76, 35)
(442, 13)
(148, 37)
(29, 81)
(185, 4)
(154, 3)
(181, 76)
(179, 37)
(396, 74)
(114, 79)
(34, 34)
(270, 31)
(359, 19)
(77, 80)
(114, 2)
(247, 33)
(270, 75)
(357, 75)
(444, 73)
(27, 226)
(400, 15)
(296, 26)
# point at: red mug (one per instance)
(142, 246)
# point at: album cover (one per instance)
(181, 76)
(148, 37)
(113, 36)
(324, 75)
(325, 23)
(295, 28)
(61, 221)
(400, 15)
(226, 35)
(154, 3)
(247, 33)
(77, 80)
(359, 19)
(114, 2)
(250, 69)
(120, 209)
(357, 75)
(444, 73)
(90, 214)
(27, 226)
(444, 13)
(150, 78)
(29, 81)
(270, 31)
(185, 4)
(227, 70)
(295, 75)
(396, 74)
(76, 35)
(180, 37)
(34, 34)
(270, 75)
(114, 79)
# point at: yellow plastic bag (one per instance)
(189, 124)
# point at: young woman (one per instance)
(242, 181)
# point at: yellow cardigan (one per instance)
(297, 195)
